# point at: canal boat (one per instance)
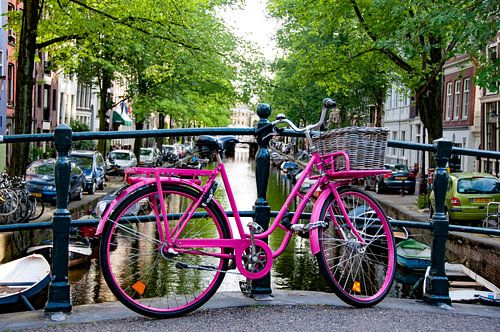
(289, 167)
(79, 251)
(413, 254)
(23, 283)
(469, 287)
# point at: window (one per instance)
(46, 103)
(11, 35)
(448, 101)
(403, 138)
(394, 137)
(54, 99)
(10, 84)
(465, 103)
(456, 111)
(1, 63)
(39, 96)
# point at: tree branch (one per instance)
(392, 56)
(119, 21)
(437, 69)
(56, 40)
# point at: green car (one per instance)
(468, 196)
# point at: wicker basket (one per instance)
(364, 145)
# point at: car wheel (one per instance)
(92, 188)
(377, 188)
(411, 191)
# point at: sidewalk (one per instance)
(290, 310)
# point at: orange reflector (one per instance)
(139, 287)
(356, 287)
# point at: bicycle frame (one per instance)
(327, 180)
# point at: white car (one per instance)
(150, 157)
(121, 159)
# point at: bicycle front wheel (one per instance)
(142, 272)
(361, 274)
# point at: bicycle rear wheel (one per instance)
(139, 270)
(360, 274)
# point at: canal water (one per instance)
(295, 269)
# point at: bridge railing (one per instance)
(59, 299)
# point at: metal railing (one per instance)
(59, 298)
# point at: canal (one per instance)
(295, 269)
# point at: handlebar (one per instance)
(328, 103)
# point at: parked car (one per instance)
(40, 180)
(121, 159)
(150, 157)
(400, 176)
(170, 154)
(468, 195)
(93, 167)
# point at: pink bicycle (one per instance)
(167, 244)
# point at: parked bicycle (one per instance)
(167, 244)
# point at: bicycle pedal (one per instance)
(256, 228)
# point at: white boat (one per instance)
(22, 281)
(79, 251)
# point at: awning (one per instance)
(121, 119)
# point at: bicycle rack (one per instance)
(492, 219)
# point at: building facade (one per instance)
(402, 120)
(488, 102)
(460, 116)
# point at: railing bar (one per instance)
(250, 214)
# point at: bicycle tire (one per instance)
(38, 208)
(360, 275)
(9, 201)
(153, 282)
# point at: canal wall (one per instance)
(480, 253)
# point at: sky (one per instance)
(254, 24)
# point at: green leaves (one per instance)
(354, 48)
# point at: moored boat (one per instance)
(79, 251)
(23, 283)
(413, 254)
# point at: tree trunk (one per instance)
(161, 125)
(139, 125)
(104, 105)
(430, 107)
(24, 85)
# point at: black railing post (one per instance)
(261, 288)
(59, 290)
(436, 281)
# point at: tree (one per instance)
(416, 37)
(96, 39)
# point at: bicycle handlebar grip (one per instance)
(329, 103)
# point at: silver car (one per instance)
(121, 159)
